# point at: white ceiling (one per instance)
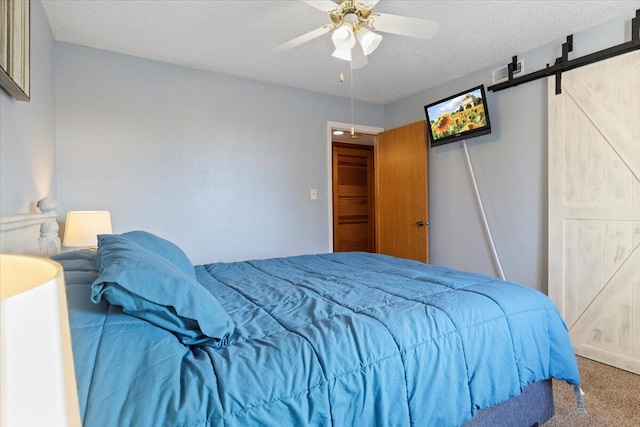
(237, 38)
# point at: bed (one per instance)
(338, 339)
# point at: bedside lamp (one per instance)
(37, 377)
(83, 227)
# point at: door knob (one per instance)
(422, 223)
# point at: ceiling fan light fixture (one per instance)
(353, 23)
(344, 54)
(343, 37)
(358, 58)
(368, 40)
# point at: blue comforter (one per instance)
(344, 339)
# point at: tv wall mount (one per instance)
(563, 63)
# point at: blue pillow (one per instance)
(146, 286)
(164, 248)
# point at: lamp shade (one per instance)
(83, 227)
(344, 54)
(37, 378)
(368, 40)
(358, 58)
(343, 37)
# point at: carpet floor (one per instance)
(612, 398)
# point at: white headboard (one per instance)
(31, 234)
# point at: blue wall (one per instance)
(220, 165)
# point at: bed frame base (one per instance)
(533, 407)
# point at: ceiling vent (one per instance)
(501, 74)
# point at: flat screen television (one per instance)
(460, 116)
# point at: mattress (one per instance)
(338, 339)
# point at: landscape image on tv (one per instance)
(457, 117)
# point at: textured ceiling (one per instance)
(237, 38)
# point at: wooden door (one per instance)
(402, 192)
(353, 203)
(594, 208)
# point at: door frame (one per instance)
(352, 148)
(371, 130)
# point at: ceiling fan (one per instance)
(353, 24)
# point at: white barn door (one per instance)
(594, 208)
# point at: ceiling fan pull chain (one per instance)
(351, 84)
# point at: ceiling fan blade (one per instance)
(369, 3)
(404, 25)
(323, 5)
(302, 39)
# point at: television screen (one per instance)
(461, 116)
